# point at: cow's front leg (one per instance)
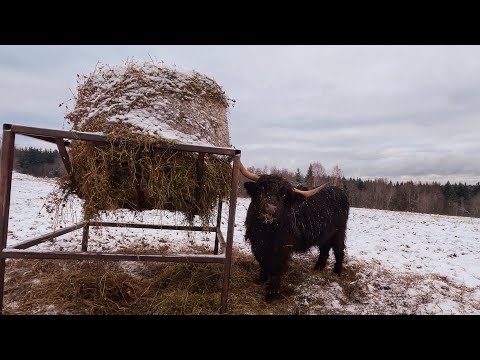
(259, 254)
(273, 289)
(278, 265)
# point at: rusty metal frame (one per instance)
(58, 137)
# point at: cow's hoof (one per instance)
(319, 267)
(337, 270)
(272, 296)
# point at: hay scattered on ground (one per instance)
(100, 287)
(366, 288)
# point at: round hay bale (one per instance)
(151, 100)
(143, 104)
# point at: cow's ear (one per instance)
(251, 187)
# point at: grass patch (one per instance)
(101, 287)
(147, 288)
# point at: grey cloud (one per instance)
(390, 111)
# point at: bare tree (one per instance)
(337, 175)
(475, 205)
(274, 170)
(318, 171)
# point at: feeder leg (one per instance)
(6, 167)
(85, 237)
(219, 222)
(231, 224)
(2, 283)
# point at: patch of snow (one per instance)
(410, 263)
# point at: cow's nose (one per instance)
(271, 209)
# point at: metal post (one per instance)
(65, 158)
(231, 224)
(219, 222)
(86, 228)
(6, 167)
(58, 136)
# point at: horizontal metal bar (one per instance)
(150, 226)
(87, 136)
(28, 243)
(198, 148)
(75, 135)
(70, 255)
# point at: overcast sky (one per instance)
(400, 112)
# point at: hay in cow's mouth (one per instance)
(268, 218)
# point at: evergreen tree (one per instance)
(448, 191)
(345, 187)
(37, 162)
(298, 176)
(462, 191)
(309, 176)
(360, 184)
(400, 199)
(476, 189)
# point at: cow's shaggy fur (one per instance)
(280, 221)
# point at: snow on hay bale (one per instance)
(145, 103)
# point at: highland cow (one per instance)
(282, 219)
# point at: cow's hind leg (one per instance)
(263, 276)
(322, 258)
(339, 251)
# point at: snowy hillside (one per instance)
(404, 262)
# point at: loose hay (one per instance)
(99, 287)
(113, 177)
(137, 106)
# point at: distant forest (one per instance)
(38, 162)
(429, 198)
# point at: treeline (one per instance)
(429, 198)
(433, 198)
(38, 162)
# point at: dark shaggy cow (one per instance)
(282, 219)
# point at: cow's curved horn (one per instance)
(248, 174)
(308, 193)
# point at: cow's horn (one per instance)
(308, 193)
(248, 174)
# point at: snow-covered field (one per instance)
(406, 262)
